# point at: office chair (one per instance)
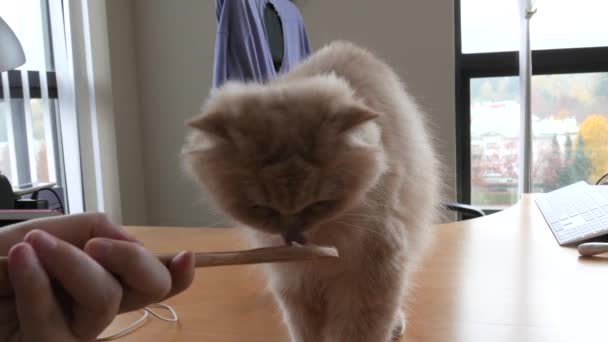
(603, 180)
(466, 211)
(469, 212)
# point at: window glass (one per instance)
(494, 141)
(569, 127)
(40, 143)
(6, 166)
(29, 138)
(493, 26)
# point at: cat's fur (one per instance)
(338, 149)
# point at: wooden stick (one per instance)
(260, 255)
(251, 256)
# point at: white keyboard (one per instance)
(576, 212)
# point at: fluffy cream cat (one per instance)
(334, 152)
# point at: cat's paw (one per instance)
(399, 329)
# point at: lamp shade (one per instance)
(11, 52)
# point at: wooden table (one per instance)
(499, 278)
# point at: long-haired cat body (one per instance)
(335, 152)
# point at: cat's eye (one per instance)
(263, 210)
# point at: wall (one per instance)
(174, 56)
(174, 41)
(121, 33)
(416, 38)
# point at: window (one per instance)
(569, 97)
(30, 144)
(493, 26)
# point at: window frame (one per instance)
(22, 85)
(499, 64)
(78, 34)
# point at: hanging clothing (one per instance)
(242, 50)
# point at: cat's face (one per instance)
(285, 159)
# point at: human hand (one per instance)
(68, 277)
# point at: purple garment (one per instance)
(242, 51)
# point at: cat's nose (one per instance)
(292, 229)
(294, 235)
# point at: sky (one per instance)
(493, 25)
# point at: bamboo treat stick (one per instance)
(251, 256)
(260, 255)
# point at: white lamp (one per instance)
(11, 57)
(11, 52)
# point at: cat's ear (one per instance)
(352, 116)
(211, 123)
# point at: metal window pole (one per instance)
(527, 10)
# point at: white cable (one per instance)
(142, 320)
(173, 317)
(129, 329)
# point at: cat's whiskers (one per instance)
(220, 223)
(375, 205)
(363, 217)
